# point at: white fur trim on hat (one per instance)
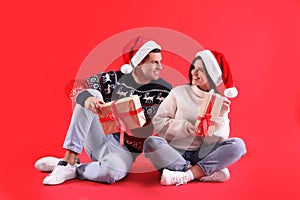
(143, 51)
(126, 69)
(231, 92)
(212, 66)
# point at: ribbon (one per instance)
(205, 121)
(203, 126)
(108, 117)
(117, 117)
(111, 116)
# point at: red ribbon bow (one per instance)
(205, 121)
(203, 126)
(108, 117)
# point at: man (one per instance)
(110, 161)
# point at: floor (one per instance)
(259, 175)
(43, 45)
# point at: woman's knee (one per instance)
(239, 146)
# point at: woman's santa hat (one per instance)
(219, 71)
(135, 51)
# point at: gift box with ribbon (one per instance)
(209, 114)
(122, 116)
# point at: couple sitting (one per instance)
(179, 153)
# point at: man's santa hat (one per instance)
(135, 51)
(219, 71)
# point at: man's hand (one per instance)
(93, 104)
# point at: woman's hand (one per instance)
(94, 104)
(225, 107)
(191, 128)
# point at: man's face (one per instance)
(152, 66)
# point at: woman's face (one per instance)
(199, 77)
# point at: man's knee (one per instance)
(102, 172)
(152, 143)
(116, 168)
(109, 175)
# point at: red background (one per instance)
(44, 43)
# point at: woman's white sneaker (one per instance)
(175, 177)
(220, 176)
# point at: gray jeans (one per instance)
(210, 158)
(111, 162)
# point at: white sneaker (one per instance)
(174, 177)
(219, 176)
(60, 174)
(46, 164)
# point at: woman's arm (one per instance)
(168, 123)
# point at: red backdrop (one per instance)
(43, 44)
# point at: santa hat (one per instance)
(219, 71)
(135, 51)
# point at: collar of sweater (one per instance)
(198, 92)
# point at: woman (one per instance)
(182, 154)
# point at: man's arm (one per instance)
(87, 100)
(103, 82)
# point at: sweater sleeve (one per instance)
(165, 123)
(103, 82)
(82, 97)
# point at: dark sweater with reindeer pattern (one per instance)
(115, 85)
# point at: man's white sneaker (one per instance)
(46, 164)
(219, 176)
(174, 177)
(62, 172)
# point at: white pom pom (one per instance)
(231, 92)
(126, 69)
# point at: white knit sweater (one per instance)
(176, 117)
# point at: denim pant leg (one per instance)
(221, 155)
(83, 123)
(162, 155)
(111, 161)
